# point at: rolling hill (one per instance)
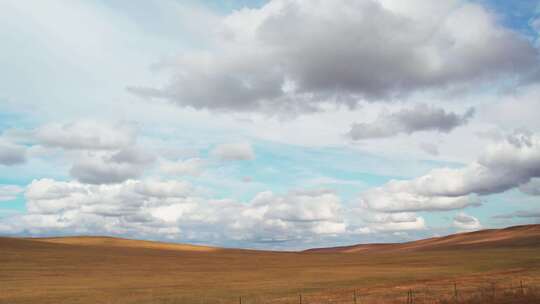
(512, 237)
(84, 270)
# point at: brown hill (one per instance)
(126, 243)
(512, 237)
(89, 270)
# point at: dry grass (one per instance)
(496, 296)
(105, 270)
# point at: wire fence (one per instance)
(442, 293)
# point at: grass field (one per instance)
(108, 270)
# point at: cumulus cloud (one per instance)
(99, 167)
(340, 52)
(172, 209)
(421, 117)
(466, 222)
(234, 151)
(86, 135)
(396, 197)
(192, 166)
(391, 222)
(505, 165)
(11, 154)
(9, 192)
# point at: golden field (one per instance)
(111, 270)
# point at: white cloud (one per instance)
(505, 165)
(391, 222)
(395, 197)
(87, 135)
(234, 151)
(163, 189)
(9, 192)
(192, 166)
(172, 209)
(466, 222)
(331, 52)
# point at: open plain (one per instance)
(84, 270)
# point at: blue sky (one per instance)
(268, 124)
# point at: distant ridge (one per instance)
(516, 236)
(106, 241)
(526, 236)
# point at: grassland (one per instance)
(107, 270)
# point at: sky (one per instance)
(282, 124)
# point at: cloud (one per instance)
(421, 117)
(98, 167)
(234, 151)
(395, 197)
(466, 222)
(429, 148)
(505, 165)
(535, 25)
(11, 154)
(173, 209)
(391, 222)
(9, 192)
(192, 166)
(519, 214)
(340, 52)
(86, 135)
(163, 189)
(532, 187)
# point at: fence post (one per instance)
(240, 299)
(410, 298)
(521, 286)
(354, 297)
(300, 298)
(455, 292)
(493, 289)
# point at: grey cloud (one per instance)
(418, 118)
(11, 154)
(111, 167)
(532, 187)
(291, 55)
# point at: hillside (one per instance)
(84, 270)
(512, 237)
(120, 242)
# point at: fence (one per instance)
(455, 292)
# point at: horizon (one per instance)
(273, 250)
(272, 125)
